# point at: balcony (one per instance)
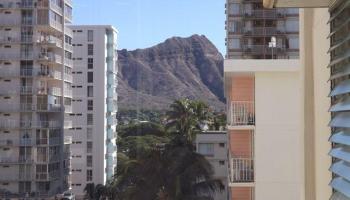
(49, 107)
(262, 50)
(241, 170)
(264, 14)
(13, 39)
(50, 41)
(16, 142)
(26, 90)
(47, 176)
(54, 74)
(16, 5)
(50, 58)
(16, 56)
(19, 160)
(68, 92)
(68, 47)
(241, 113)
(68, 62)
(14, 124)
(68, 78)
(263, 31)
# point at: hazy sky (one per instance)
(144, 23)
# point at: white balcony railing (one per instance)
(68, 62)
(68, 77)
(50, 40)
(241, 113)
(68, 47)
(242, 170)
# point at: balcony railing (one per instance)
(263, 49)
(50, 57)
(263, 31)
(264, 14)
(50, 40)
(20, 159)
(16, 142)
(68, 47)
(241, 113)
(242, 170)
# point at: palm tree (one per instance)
(185, 117)
(172, 172)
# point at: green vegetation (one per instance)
(158, 161)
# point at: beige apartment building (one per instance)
(35, 93)
(263, 79)
(326, 60)
(213, 145)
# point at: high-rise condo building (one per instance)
(35, 93)
(94, 105)
(262, 88)
(326, 58)
(250, 27)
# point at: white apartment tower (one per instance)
(35, 93)
(94, 105)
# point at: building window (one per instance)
(90, 63)
(90, 104)
(222, 144)
(90, 35)
(222, 162)
(88, 147)
(90, 119)
(206, 149)
(90, 91)
(89, 161)
(234, 44)
(89, 175)
(90, 49)
(90, 77)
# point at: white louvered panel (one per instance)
(343, 105)
(340, 123)
(339, 196)
(341, 169)
(341, 120)
(340, 153)
(344, 71)
(341, 185)
(341, 137)
(342, 88)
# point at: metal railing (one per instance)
(50, 40)
(241, 113)
(241, 170)
(264, 13)
(263, 31)
(263, 49)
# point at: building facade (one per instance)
(213, 145)
(250, 27)
(35, 92)
(326, 49)
(94, 105)
(262, 81)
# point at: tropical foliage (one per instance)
(157, 162)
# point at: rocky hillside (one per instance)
(177, 68)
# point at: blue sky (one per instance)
(144, 23)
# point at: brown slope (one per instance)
(177, 68)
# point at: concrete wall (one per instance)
(316, 74)
(279, 160)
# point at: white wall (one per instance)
(278, 137)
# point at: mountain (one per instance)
(154, 77)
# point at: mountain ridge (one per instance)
(153, 77)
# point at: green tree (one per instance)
(186, 117)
